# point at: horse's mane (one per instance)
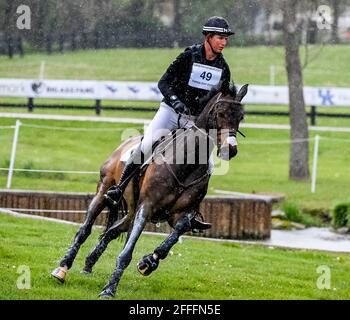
(230, 90)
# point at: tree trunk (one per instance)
(299, 150)
(335, 5)
(176, 26)
(7, 27)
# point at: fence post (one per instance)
(98, 106)
(314, 164)
(74, 45)
(20, 46)
(313, 115)
(13, 154)
(30, 104)
(61, 43)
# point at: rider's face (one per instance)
(218, 42)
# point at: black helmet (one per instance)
(217, 25)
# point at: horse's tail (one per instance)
(114, 214)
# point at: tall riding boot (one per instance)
(115, 193)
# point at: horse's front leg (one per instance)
(150, 262)
(125, 256)
(96, 206)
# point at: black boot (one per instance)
(115, 193)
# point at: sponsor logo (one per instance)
(38, 87)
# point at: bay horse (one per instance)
(166, 191)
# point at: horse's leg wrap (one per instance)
(150, 262)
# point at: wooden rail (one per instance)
(232, 217)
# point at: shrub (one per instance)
(341, 215)
(293, 213)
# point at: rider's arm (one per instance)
(176, 70)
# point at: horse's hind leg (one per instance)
(112, 233)
(150, 262)
(125, 256)
(96, 206)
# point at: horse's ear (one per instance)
(242, 92)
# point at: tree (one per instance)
(335, 5)
(299, 150)
(8, 26)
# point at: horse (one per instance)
(165, 191)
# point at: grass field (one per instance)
(195, 269)
(262, 163)
(248, 65)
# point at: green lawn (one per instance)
(195, 269)
(248, 65)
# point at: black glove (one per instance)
(178, 105)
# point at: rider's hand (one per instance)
(178, 105)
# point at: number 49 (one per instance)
(206, 75)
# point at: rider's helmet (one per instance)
(217, 25)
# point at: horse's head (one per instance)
(225, 112)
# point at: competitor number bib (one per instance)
(204, 77)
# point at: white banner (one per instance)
(148, 91)
(322, 96)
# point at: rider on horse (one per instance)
(185, 86)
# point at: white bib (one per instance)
(204, 77)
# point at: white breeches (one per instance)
(165, 120)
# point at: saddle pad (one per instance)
(126, 155)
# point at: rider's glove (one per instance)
(178, 105)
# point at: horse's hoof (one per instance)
(86, 271)
(106, 294)
(59, 273)
(147, 265)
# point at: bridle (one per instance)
(219, 100)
